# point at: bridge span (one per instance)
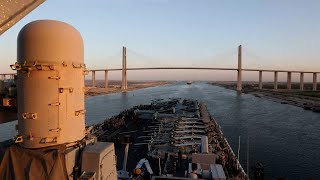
(159, 68)
(239, 71)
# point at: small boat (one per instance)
(189, 82)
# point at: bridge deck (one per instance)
(205, 68)
(193, 68)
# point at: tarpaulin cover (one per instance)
(46, 163)
(11, 11)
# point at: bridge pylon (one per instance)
(239, 80)
(124, 85)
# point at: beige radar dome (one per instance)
(50, 84)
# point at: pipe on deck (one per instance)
(204, 144)
(125, 159)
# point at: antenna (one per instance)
(239, 150)
(248, 155)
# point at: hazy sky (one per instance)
(275, 35)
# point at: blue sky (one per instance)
(274, 34)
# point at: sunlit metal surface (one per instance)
(11, 11)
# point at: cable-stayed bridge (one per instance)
(239, 69)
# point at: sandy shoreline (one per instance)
(292, 97)
(116, 88)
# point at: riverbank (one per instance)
(115, 87)
(309, 100)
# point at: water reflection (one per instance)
(7, 116)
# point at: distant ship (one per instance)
(189, 82)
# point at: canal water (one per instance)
(284, 138)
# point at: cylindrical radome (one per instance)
(50, 84)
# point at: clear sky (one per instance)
(275, 35)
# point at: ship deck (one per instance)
(168, 133)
